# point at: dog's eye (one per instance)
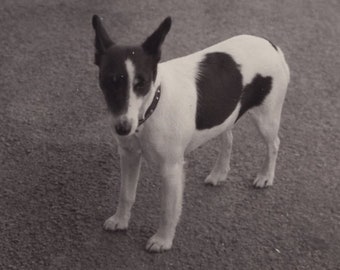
(140, 82)
(118, 79)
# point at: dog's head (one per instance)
(127, 74)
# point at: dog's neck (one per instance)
(152, 100)
(152, 104)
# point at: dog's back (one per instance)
(214, 87)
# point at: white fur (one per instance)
(170, 131)
(134, 102)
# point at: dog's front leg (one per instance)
(130, 160)
(171, 206)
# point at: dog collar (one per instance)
(152, 106)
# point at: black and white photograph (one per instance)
(154, 134)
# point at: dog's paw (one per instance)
(214, 179)
(158, 244)
(115, 223)
(262, 181)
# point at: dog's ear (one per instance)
(102, 40)
(152, 45)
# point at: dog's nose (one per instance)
(123, 128)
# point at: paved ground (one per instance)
(59, 166)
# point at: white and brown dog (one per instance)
(163, 111)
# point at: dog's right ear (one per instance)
(102, 40)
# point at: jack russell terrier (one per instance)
(162, 111)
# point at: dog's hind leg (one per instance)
(268, 125)
(171, 206)
(130, 160)
(222, 166)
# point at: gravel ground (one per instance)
(59, 166)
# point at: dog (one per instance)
(161, 111)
